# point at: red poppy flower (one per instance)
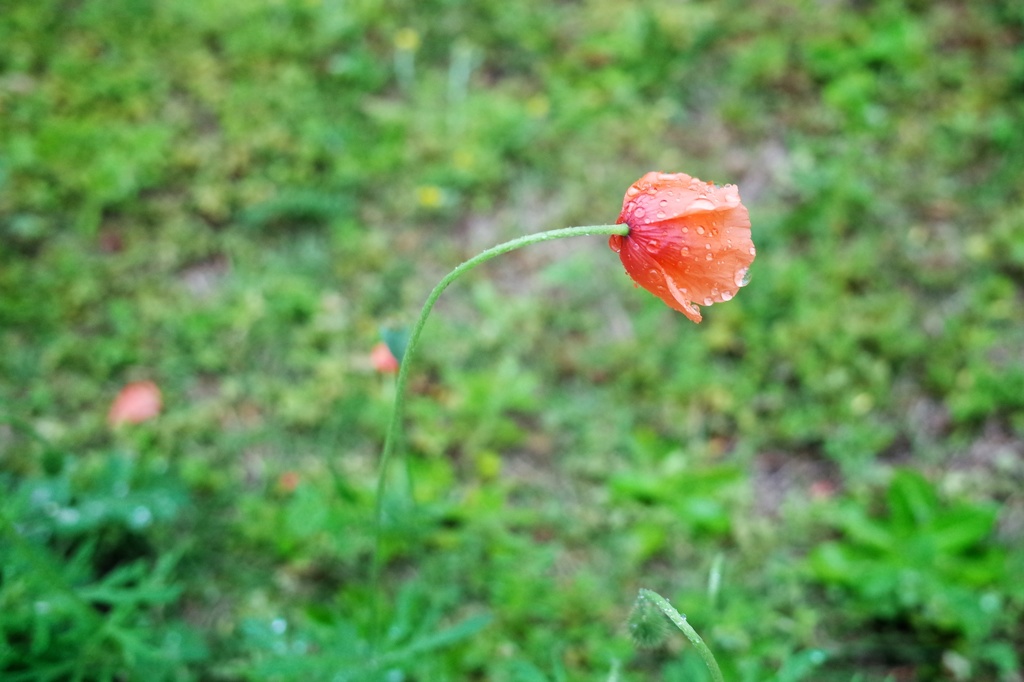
(136, 403)
(288, 481)
(688, 242)
(383, 359)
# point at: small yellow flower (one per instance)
(538, 106)
(407, 39)
(429, 196)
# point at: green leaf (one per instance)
(912, 499)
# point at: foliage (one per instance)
(925, 564)
(83, 588)
(233, 199)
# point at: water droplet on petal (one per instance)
(743, 277)
(685, 230)
(640, 212)
(726, 296)
(632, 191)
(710, 257)
(661, 215)
(753, 251)
(664, 202)
(652, 245)
(684, 250)
(708, 300)
(707, 246)
(700, 230)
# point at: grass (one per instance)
(234, 200)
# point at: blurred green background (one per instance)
(232, 199)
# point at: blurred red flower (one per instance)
(288, 481)
(383, 359)
(137, 402)
(689, 241)
(823, 490)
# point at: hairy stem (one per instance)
(680, 622)
(395, 425)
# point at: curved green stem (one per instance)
(680, 622)
(395, 426)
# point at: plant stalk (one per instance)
(680, 622)
(395, 425)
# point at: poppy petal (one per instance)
(649, 273)
(135, 403)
